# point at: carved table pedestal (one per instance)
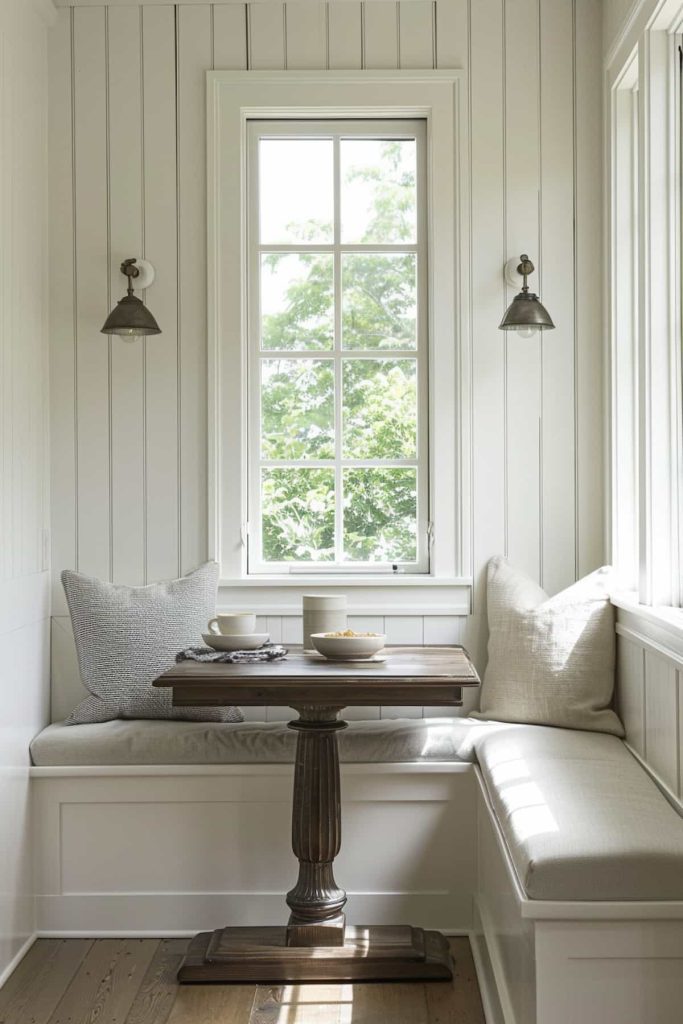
(316, 944)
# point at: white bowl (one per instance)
(236, 642)
(348, 648)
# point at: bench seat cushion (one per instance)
(149, 742)
(581, 817)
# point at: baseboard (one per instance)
(178, 914)
(497, 983)
(177, 934)
(485, 976)
(17, 958)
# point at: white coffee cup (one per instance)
(233, 623)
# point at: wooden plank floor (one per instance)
(132, 981)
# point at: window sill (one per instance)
(375, 595)
(660, 626)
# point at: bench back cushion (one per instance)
(551, 659)
(128, 636)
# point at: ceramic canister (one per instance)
(322, 614)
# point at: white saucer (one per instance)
(235, 642)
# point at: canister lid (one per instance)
(324, 602)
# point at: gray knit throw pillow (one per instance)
(128, 636)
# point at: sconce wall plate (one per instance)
(512, 275)
(146, 274)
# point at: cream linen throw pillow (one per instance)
(551, 659)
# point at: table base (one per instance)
(373, 953)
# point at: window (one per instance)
(624, 341)
(338, 345)
(645, 315)
(339, 355)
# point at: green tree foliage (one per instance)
(379, 395)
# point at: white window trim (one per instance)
(234, 98)
(649, 34)
(624, 332)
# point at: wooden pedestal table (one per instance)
(316, 945)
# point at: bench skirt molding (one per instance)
(171, 850)
(542, 962)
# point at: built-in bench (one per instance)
(555, 848)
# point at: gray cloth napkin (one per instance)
(269, 652)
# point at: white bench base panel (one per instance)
(120, 851)
(174, 850)
(563, 963)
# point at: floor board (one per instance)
(104, 987)
(132, 981)
(41, 979)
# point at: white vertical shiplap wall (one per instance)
(24, 480)
(128, 168)
(650, 696)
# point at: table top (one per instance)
(407, 676)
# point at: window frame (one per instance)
(234, 98)
(337, 128)
(646, 64)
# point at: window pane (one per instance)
(296, 190)
(297, 409)
(297, 513)
(380, 515)
(378, 194)
(297, 301)
(379, 300)
(379, 402)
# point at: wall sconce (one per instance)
(526, 314)
(130, 317)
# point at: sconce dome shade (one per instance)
(130, 316)
(526, 310)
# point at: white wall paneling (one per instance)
(415, 34)
(486, 35)
(345, 35)
(164, 464)
(650, 697)
(24, 407)
(130, 464)
(631, 691)
(557, 284)
(125, 225)
(380, 35)
(93, 352)
(661, 718)
(522, 358)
